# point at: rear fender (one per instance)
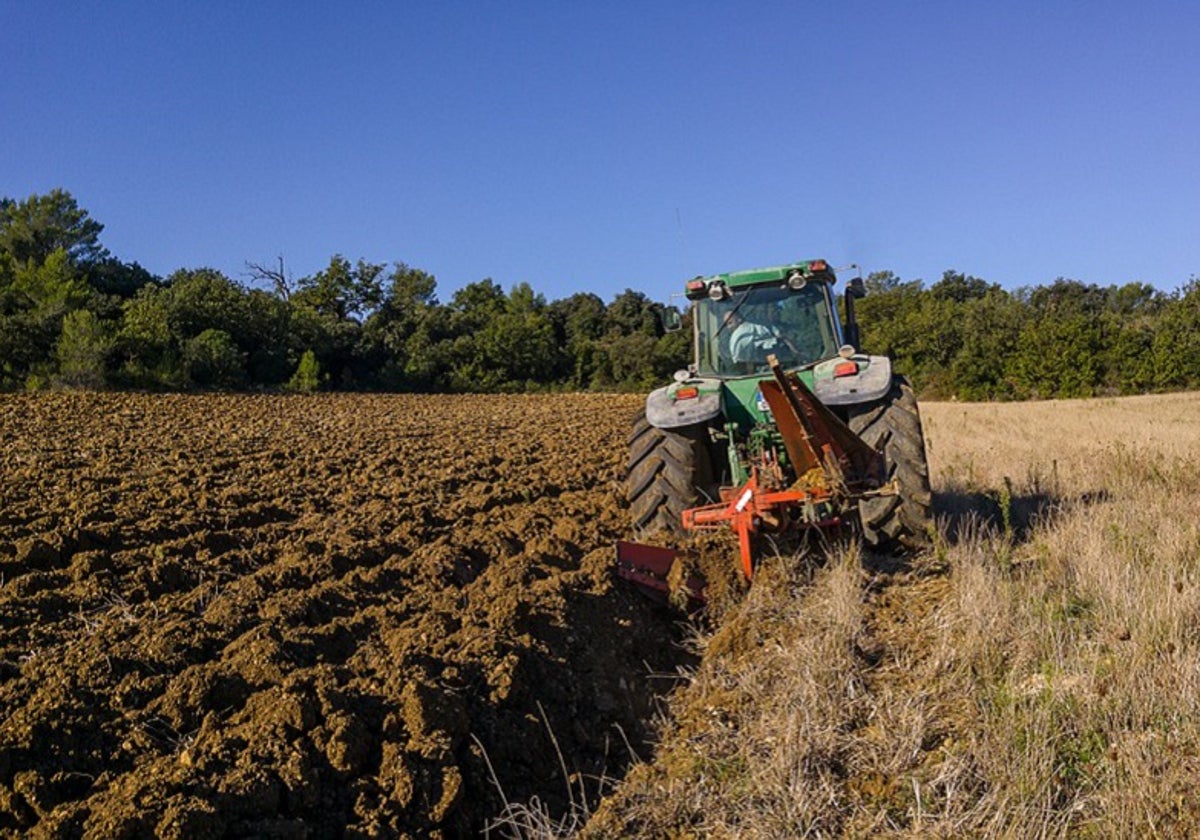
(872, 382)
(665, 410)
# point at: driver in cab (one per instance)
(751, 340)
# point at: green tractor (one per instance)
(780, 422)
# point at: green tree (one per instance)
(307, 377)
(960, 288)
(326, 317)
(121, 280)
(145, 344)
(1061, 349)
(882, 282)
(342, 290)
(33, 229)
(159, 324)
(884, 313)
(390, 346)
(1130, 359)
(919, 330)
(427, 359)
(52, 265)
(502, 343)
(578, 327)
(632, 312)
(1176, 343)
(334, 340)
(82, 350)
(50, 288)
(212, 360)
(991, 328)
(519, 343)
(472, 310)
(203, 299)
(264, 336)
(34, 299)
(475, 304)
(635, 352)
(1134, 310)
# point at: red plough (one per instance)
(836, 470)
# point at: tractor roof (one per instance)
(810, 269)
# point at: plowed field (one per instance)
(312, 616)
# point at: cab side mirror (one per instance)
(855, 289)
(672, 321)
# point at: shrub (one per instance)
(82, 348)
(307, 377)
(212, 359)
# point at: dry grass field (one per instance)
(383, 616)
(1037, 674)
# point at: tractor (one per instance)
(780, 424)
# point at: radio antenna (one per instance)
(685, 255)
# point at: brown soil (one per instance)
(313, 616)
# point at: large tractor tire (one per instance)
(893, 424)
(669, 471)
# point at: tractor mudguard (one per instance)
(665, 410)
(872, 382)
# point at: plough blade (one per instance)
(649, 568)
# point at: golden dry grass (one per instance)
(1036, 674)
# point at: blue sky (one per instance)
(581, 146)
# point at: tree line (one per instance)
(965, 338)
(73, 315)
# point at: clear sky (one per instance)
(588, 146)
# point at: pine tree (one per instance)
(307, 377)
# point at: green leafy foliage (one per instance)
(307, 377)
(33, 229)
(82, 350)
(34, 299)
(73, 315)
(212, 360)
(342, 290)
(963, 338)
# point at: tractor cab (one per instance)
(737, 331)
(748, 324)
(740, 319)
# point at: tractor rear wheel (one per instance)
(669, 471)
(893, 425)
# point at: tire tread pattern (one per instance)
(669, 470)
(894, 425)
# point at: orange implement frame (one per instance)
(748, 507)
(832, 464)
